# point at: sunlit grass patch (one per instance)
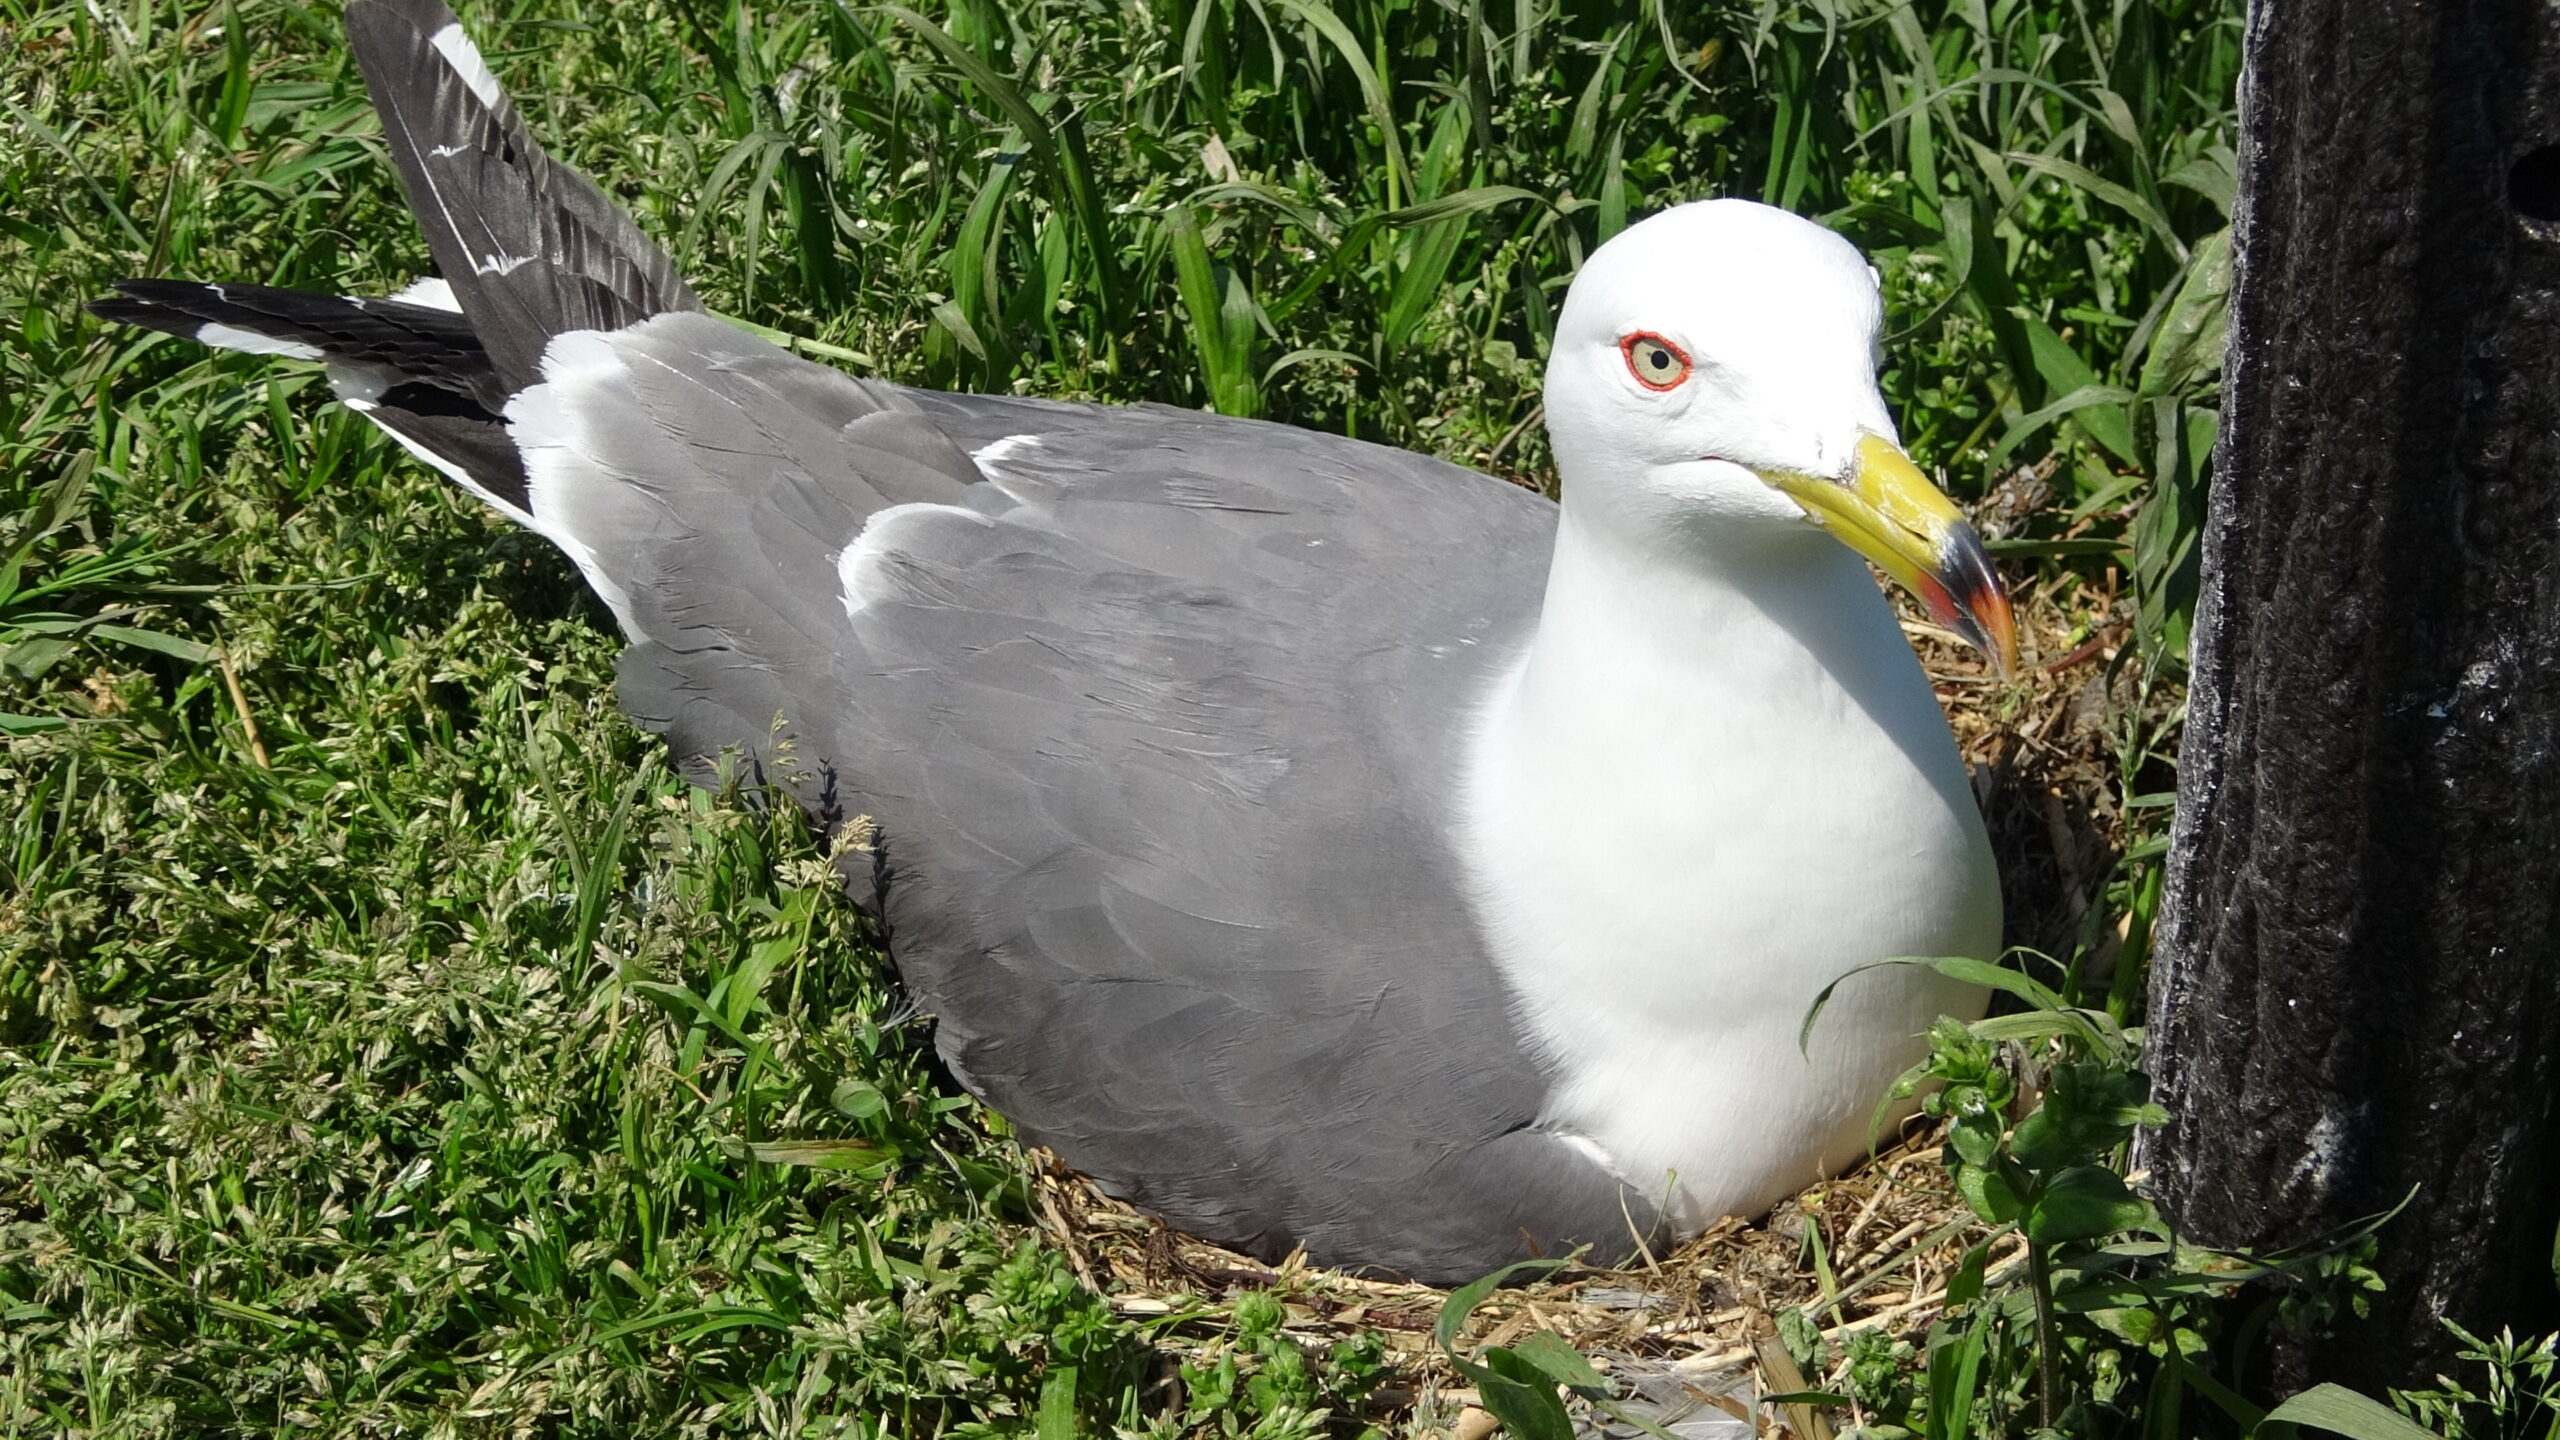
(389, 1041)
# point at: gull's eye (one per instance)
(1656, 363)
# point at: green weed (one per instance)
(2518, 1396)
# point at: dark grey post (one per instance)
(2358, 985)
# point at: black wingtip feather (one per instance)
(531, 248)
(411, 342)
(172, 307)
(146, 315)
(432, 382)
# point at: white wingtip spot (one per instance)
(231, 337)
(991, 457)
(996, 452)
(356, 384)
(499, 264)
(433, 291)
(464, 57)
(858, 566)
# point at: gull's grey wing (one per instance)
(1157, 725)
(1155, 714)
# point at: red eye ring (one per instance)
(1655, 362)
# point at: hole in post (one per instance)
(2533, 184)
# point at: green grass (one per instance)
(390, 1043)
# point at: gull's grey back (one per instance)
(1152, 717)
(1158, 728)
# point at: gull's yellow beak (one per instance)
(1890, 513)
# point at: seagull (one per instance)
(1320, 846)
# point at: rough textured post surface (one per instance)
(2359, 979)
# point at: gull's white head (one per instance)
(1714, 374)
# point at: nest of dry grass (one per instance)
(2050, 749)
(1690, 1333)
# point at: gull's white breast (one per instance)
(1691, 806)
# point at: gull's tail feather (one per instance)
(531, 248)
(410, 363)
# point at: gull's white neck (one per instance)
(1715, 781)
